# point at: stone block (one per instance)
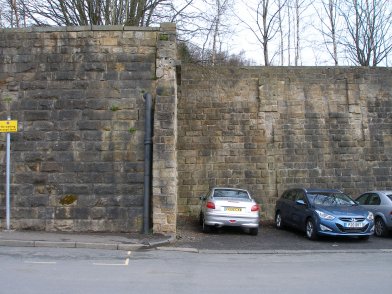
(37, 115)
(76, 189)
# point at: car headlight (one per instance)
(325, 215)
(370, 216)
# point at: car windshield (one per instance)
(227, 193)
(330, 199)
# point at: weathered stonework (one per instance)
(77, 93)
(268, 129)
(165, 133)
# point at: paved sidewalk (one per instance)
(108, 241)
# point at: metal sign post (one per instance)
(8, 126)
(7, 197)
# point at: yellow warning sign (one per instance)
(8, 126)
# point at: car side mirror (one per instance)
(203, 198)
(300, 202)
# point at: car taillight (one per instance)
(210, 205)
(255, 207)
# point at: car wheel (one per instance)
(311, 229)
(206, 228)
(380, 229)
(278, 221)
(254, 231)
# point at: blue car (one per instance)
(320, 212)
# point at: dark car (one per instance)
(323, 212)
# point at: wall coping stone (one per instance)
(81, 29)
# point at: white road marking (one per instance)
(41, 262)
(126, 262)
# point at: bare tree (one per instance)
(5, 13)
(93, 12)
(12, 13)
(190, 53)
(220, 8)
(268, 24)
(369, 29)
(281, 36)
(266, 18)
(206, 24)
(328, 15)
(289, 17)
(218, 27)
(300, 7)
(297, 22)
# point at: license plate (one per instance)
(233, 209)
(353, 225)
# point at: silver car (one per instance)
(380, 203)
(229, 207)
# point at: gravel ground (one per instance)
(189, 235)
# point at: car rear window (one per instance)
(230, 194)
(390, 196)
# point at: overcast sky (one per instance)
(240, 38)
(312, 52)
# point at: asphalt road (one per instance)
(189, 235)
(85, 271)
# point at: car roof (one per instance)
(378, 191)
(229, 188)
(314, 190)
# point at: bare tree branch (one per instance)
(369, 29)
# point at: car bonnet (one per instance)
(343, 210)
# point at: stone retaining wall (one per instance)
(77, 93)
(269, 129)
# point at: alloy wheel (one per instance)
(278, 221)
(310, 230)
(379, 228)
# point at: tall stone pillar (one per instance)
(165, 178)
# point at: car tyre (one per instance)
(201, 218)
(254, 231)
(310, 229)
(278, 221)
(380, 229)
(206, 228)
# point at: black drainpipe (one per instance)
(147, 162)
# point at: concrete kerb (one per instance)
(273, 252)
(295, 252)
(17, 243)
(163, 243)
(180, 249)
(159, 245)
(40, 240)
(104, 246)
